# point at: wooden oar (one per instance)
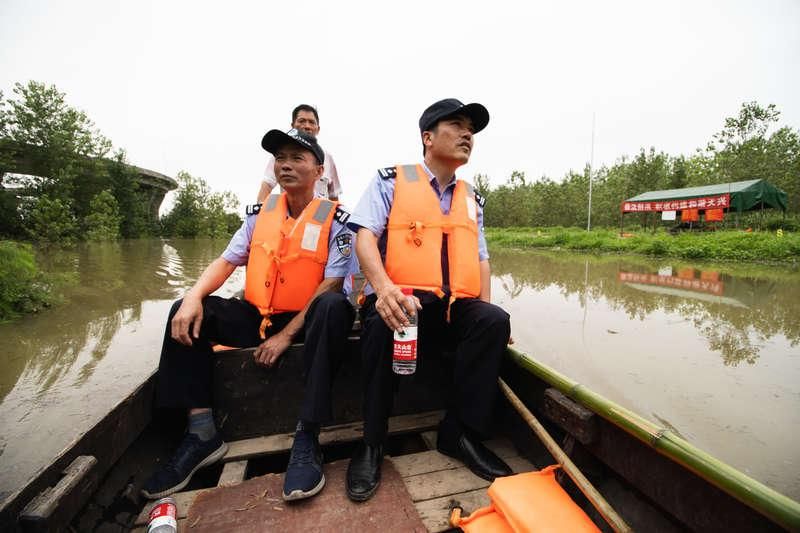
(596, 499)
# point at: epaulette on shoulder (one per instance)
(480, 200)
(341, 215)
(253, 209)
(388, 172)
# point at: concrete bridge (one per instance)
(28, 159)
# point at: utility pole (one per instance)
(591, 164)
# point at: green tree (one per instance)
(745, 149)
(60, 137)
(50, 220)
(130, 198)
(197, 212)
(103, 221)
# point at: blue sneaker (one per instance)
(191, 455)
(304, 476)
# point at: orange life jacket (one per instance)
(415, 231)
(287, 256)
(532, 502)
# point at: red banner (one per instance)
(700, 285)
(707, 202)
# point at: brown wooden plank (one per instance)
(233, 473)
(55, 506)
(435, 513)
(574, 418)
(255, 506)
(249, 448)
(454, 481)
(429, 438)
(183, 500)
(432, 461)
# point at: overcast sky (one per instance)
(194, 85)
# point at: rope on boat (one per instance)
(591, 493)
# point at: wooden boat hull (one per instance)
(648, 488)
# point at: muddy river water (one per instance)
(709, 351)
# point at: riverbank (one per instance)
(718, 246)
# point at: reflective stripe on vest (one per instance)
(415, 231)
(287, 256)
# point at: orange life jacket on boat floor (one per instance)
(529, 502)
(287, 256)
(415, 231)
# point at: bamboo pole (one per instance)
(591, 493)
(769, 502)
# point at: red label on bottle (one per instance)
(405, 350)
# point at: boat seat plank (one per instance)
(443, 482)
(233, 473)
(433, 461)
(258, 446)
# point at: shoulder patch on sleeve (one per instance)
(388, 172)
(341, 215)
(344, 243)
(480, 200)
(253, 209)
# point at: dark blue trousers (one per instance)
(185, 373)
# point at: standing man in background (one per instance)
(306, 119)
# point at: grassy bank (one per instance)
(719, 245)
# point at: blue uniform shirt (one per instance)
(372, 211)
(341, 244)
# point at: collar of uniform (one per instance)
(434, 182)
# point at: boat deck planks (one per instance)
(436, 482)
(433, 481)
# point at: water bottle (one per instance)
(163, 517)
(404, 355)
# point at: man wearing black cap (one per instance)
(411, 220)
(300, 292)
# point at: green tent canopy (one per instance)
(744, 195)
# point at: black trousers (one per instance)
(185, 373)
(478, 331)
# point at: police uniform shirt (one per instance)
(372, 211)
(340, 243)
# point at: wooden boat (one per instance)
(655, 480)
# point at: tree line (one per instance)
(751, 145)
(81, 190)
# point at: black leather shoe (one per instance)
(364, 472)
(478, 458)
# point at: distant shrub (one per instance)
(51, 220)
(22, 287)
(103, 221)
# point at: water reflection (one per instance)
(712, 353)
(64, 368)
(735, 310)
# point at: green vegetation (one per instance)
(720, 245)
(748, 147)
(23, 288)
(198, 212)
(78, 192)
